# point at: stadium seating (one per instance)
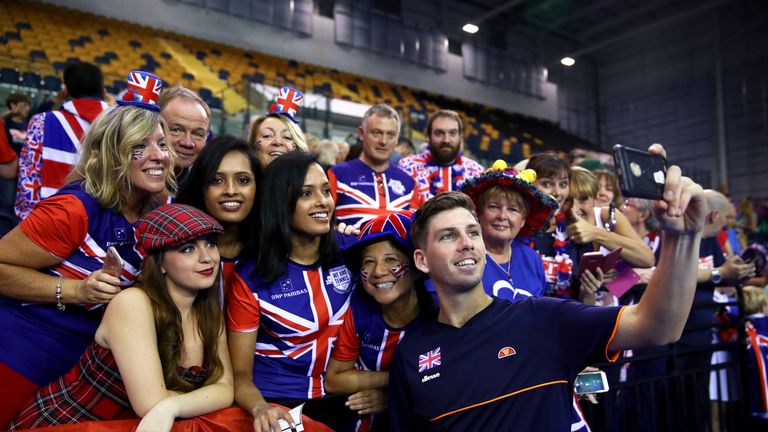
(37, 40)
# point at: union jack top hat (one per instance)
(143, 91)
(394, 226)
(288, 102)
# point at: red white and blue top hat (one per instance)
(395, 226)
(288, 102)
(143, 91)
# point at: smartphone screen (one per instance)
(640, 173)
(591, 382)
(113, 263)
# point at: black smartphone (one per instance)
(641, 175)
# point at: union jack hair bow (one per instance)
(288, 102)
(143, 91)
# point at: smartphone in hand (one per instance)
(641, 174)
(113, 263)
(593, 260)
(591, 382)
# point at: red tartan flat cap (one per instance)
(174, 224)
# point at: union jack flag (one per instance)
(362, 194)
(390, 222)
(757, 352)
(289, 101)
(400, 269)
(429, 360)
(143, 87)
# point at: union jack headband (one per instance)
(143, 91)
(288, 102)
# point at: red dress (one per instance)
(92, 390)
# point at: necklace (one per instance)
(509, 266)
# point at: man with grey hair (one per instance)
(369, 186)
(188, 118)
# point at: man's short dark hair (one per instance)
(17, 97)
(84, 79)
(447, 114)
(439, 203)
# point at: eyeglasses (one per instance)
(629, 204)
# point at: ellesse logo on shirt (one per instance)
(506, 352)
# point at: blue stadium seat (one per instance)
(52, 83)
(37, 54)
(224, 74)
(205, 94)
(187, 76)
(215, 103)
(23, 25)
(119, 85)
(30, 79)
(9, 76)
(102, 32)
(134, 44)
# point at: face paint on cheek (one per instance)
(364, 275)
(400, 270)
(138, 153)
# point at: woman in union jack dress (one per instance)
(391, 303)
(53, 288)
(289, 297)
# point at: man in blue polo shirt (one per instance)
(488, 364)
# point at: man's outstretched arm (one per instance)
(661, 314)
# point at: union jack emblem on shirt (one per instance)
(429, 360)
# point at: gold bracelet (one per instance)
(60, 306)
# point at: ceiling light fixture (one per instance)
(567, 61)
(470, 28)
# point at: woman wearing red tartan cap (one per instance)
(160, 351)
(52, 286)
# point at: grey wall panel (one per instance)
(302, 17)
